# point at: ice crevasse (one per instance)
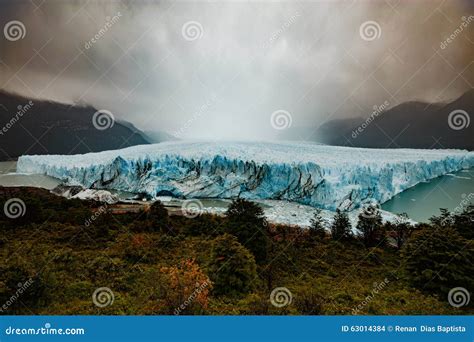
(322, 176)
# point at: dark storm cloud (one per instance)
(224, 73)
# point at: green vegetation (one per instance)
(232, 267)
(61, 251)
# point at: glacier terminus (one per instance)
(327, 177)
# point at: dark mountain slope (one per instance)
(410, 125)
(46, 127)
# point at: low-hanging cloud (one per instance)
(220, 69)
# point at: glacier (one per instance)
(327, 177)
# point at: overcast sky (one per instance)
(220, 69)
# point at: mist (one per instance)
(219, 70)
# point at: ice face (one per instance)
(322, 176)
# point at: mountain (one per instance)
(409, 125)
(30, 126)
(329, 177)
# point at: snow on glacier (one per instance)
(322, 176)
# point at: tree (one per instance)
(402, 229)
(437, 259)
(316, 229)
(232, 267)
(247, 222)
(157, 218)
(371, 228)
(461, 219)
(341, 226)
(444, 219)
(464, 222)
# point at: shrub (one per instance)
(438, 259)
(232, 267)
(186, 288)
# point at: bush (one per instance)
(186, 288)
(232, 267)
(18, 288)
(438, 259)
(309, 301)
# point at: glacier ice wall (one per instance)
(329, 177)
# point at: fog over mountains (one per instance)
(48, 127)
(412, 124)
